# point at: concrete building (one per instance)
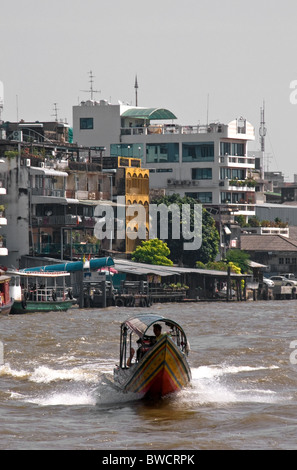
(207, 162)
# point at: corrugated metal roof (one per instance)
(131, 267)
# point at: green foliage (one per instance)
(239, 258)
(210, 236)
(200, 265)
(152, 252)
(11, 154)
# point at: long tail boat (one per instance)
(159, 366)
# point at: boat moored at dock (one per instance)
(40, 292)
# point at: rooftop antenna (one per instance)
(262, 132)
(136, 88)
(55, 112)
(91, 90)
(1, 99)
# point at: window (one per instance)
(203, 197)
(201, 173)
(127, 150)
(233, 197)
(162, 153)
(232, 148)
(86, 123)
(281, 260)
(232, 174)
(198, 152)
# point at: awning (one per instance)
(35, 170)
(149, 113)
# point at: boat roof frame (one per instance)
(140, 324)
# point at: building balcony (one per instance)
(237, 161)
(87, 195)
(166, 129)
(247, 210)
(238, 185)
(48, 192)
(67, 220)
(204, 183)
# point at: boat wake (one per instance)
(88, 385)
(229, 384)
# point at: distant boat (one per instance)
(6, 301)
(40, 292)
(160, 365)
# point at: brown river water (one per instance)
(243, 393)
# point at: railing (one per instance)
(85, 195)
(62, 220)
(48, 192)
(172, 129)
(77, 249)
(241, 161)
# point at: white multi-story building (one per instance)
(207, 162)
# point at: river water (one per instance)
(243, 393)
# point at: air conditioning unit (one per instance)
(169, 181)
(28, 162)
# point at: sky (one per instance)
(216, 59)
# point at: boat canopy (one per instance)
(149, 113)
(73, 266)
(141, 323)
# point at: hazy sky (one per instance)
(237, 53)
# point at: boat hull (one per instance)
(19, 307)
(6, 308)
(162, 371)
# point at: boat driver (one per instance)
(158, 331)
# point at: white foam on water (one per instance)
(44, 374)
(74, 398)
(7, 370)
(212, 384)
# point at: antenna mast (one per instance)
(136, 88)
(91, 90)
(1, 100)
(55, 112)
(262, 132)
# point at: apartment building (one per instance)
(207, 162)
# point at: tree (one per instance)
(238, 257)
(152, 252)
(210, 236)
